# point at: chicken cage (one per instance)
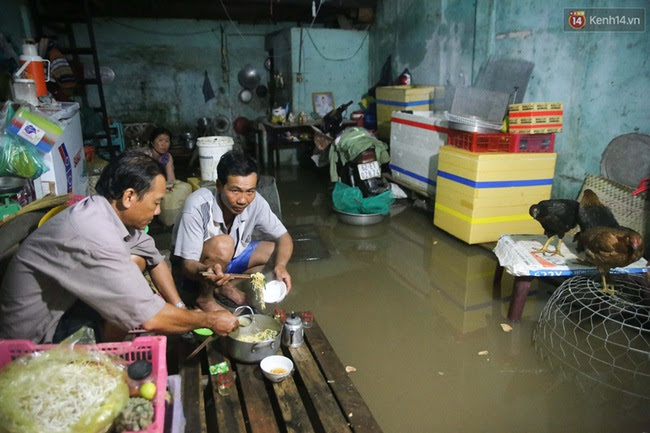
(596, 338)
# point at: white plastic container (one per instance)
(211, 149)
(172, 204)
(25, 91)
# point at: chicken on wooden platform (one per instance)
(557, 217)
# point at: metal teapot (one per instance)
(293, 332)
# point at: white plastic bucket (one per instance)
(211, 149)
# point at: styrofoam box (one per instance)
(481, 196)
(414, 146)
(407, 97)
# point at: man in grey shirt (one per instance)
(215, 230)
(77, 269)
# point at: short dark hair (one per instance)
(235, 163)
(157, 131)
(131, 169)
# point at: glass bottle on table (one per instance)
(225, 378)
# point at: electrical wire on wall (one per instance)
(225, 69)
(339, 59)
(156, 32)
(314, 13)
(230, 19)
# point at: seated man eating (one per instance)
(78, 269)
(214, 234)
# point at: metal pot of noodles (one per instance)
(257, 337)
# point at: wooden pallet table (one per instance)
(318, 397)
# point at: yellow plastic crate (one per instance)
(396, 98)
(480, 196)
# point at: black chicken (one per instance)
(557, 217)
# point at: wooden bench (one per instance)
(318, 397)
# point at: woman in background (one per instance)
(161, 140)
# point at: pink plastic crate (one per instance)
(152, 349)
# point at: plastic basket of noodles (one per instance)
(152, 349)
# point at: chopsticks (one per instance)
(201, 346)
(243, 276)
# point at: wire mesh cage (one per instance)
(595, 337)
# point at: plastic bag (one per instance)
(62, 390)
(6, 113)
(19, 158)
(350, 199)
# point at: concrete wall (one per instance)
(333, 61)
(160, 68)
(602, 78)
(15, 21)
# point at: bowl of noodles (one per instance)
(255, 341)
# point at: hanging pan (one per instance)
(245, 96)
(248, 77)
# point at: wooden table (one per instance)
(276, 139)
(318, 397)
(520, 250)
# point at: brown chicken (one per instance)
(610, 247)
(593, 213)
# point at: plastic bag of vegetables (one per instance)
(19, 158)
(62, 390)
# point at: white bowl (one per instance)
(274, 292)
(276, 368)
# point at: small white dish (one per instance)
(276, 368)
(274, 292)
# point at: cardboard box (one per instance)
(535, 124)
(535, 117)
(415, 141)
(534, 129)
(480, 196)
(542, 121)
(66, 160)
(396, 98)
(536, 106)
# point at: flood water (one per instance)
(411, 307)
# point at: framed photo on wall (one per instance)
(323, 102)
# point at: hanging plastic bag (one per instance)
(19, 158)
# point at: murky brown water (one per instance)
(410, 307)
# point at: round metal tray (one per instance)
(9, 184)
(359, 219)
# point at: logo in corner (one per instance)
(577, 19)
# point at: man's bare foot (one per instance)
(208, 304)
(233, 293)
